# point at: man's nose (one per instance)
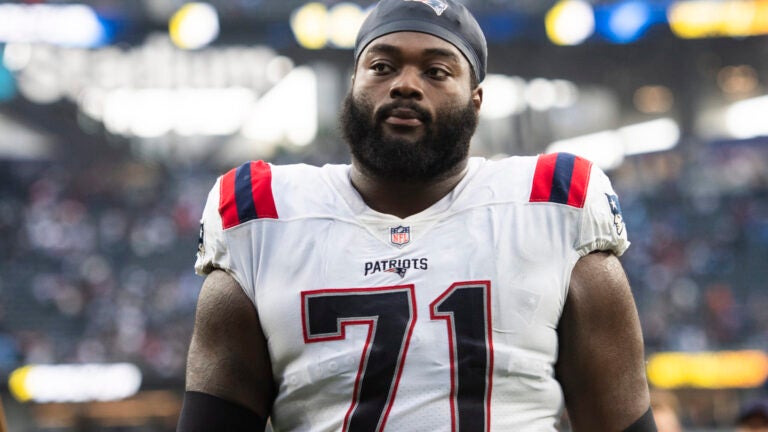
(407, 84)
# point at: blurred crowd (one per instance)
(96, 255)
(699, 230)
(95, 263)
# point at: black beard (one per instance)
(444, 145)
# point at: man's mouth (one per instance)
(403, 117)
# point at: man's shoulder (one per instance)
(262, 190)
(551, 178)
(498, 180)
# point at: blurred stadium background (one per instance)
(116, 117)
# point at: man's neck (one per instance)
(401, 198)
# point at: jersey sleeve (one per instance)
(229, 238)
(602, 225)
(214, 250)
(211, 246)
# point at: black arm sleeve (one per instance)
(202, 412)
(645, 423)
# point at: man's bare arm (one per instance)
(601, 364)
(228, 355)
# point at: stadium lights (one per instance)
(738, 80)
(711, 370)
(16, 56)
(505, 95)
(194, 26)
(152, 113)
(608, 149)
(276, 118)
(269, 119)
(72, 25)
(746, 119)
(695, 19)
(345, 20)
(316, 27)
(653, 99)
(310, 25)
(21, 142)
(74, 382)
(624, 22)
(653, 136)
(570, 22)
(602, 148)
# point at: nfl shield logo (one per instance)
(400, 236)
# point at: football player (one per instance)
(417, 289)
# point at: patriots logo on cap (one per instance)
(439, 6)
(400, 235)
(618, 219)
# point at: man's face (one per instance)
(412, 110)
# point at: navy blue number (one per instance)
(466, 309)
(390, 314)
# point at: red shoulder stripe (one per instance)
(542, 178)
(561, 178)
(227, 203)
(246, 194)
(261, 188)
(577, 194)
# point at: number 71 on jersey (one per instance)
(390, 315)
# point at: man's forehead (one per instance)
(414, 42)
(446, 19)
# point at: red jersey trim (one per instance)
(561, 178)
(246, 194)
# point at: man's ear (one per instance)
(477, 97)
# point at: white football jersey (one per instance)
(443, 321)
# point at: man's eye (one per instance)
(437, 73)
(380, 67)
